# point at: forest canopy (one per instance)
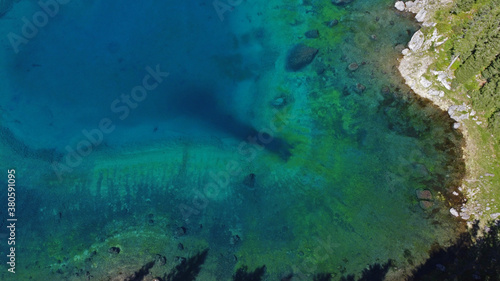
(476, 42)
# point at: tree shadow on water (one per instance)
(474, 256)
(375, 272)
(322, 277)
(188, 270)
(242, 274)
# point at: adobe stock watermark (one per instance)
(222, 179)
(222, 7)
(31, 27)
(122, 107)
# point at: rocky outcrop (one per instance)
(414, 66)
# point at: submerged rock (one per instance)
(360, 88)
(424, 194)
(353, 66)
(341, 2)
(419, 170)
(234, 239)
(160, 259)
(332, 23)
(312, 34)
(300, 56)
(319, 67)
(385, 90)
(426, 204)
(278, 102)
(180, 231)
(249, 181)
(114, 250)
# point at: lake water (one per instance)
(175, 132)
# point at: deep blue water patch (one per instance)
(92, 53)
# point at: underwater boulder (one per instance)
(278, 102)
(300, 56)
(360, 88)
(423, 194)
(353, 66)
(114, 250)
(332, 23)
(314, 33)
(426, 204)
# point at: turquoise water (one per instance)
(174, 132)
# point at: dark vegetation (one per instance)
(476, 41)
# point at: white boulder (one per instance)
(400, 6)
(424, 82)
(417, 40)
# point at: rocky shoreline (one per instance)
(417, 58)
(432, 84)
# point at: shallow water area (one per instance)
(174, 132)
